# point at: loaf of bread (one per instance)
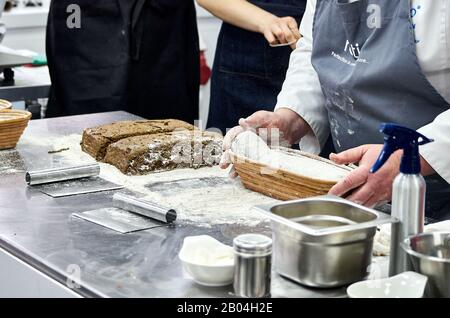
(141, 147)
(167, 151)
(97, 139)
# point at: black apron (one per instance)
(126, 56)
(165, 68)
(248, 74)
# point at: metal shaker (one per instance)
(253, 265)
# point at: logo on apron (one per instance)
(354, 50)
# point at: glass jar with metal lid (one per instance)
(253, 259)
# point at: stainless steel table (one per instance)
(40, 231)
(11, 60)
(31, 83)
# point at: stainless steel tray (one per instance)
(325, 256)
(286, 213)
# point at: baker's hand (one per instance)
(281, 31)
(225, 161)
(361, 186)
(290, 129)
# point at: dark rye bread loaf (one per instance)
(97, 139)
(166, 151)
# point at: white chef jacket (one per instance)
(302, 92)
(2, 26)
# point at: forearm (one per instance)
(302, 92)
(435, 157)
(240, 13)
(295, 125)
(427, 169)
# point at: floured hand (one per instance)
(283, 127)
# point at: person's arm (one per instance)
(435, 155)
(302, 93)
(370, 189)
(247, 16)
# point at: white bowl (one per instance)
(404, 285)
(207, 261)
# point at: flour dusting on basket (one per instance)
(283, 173)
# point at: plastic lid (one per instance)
(253, 245)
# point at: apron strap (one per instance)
(136, 29)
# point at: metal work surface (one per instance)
(17, 93)
(30, 83)
(11, 60)
(41, 231)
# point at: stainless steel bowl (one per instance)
(430, 256)
(324, 241)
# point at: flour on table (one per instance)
(251, 146)
(382, 239)
(223, 202)
(10, 162)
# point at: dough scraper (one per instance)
(67, 181)
(130, 214)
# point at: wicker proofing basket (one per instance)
(4, 104)
(280, 184)
(12, 125)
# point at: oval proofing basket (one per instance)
(281, 184)
(12, 125)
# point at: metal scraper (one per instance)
(119, 220)
(130, 214)
(76, 187)
(67, 181)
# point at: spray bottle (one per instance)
(408, 191)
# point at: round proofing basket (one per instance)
(12, 125)
(4, 104)
(281, 184)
